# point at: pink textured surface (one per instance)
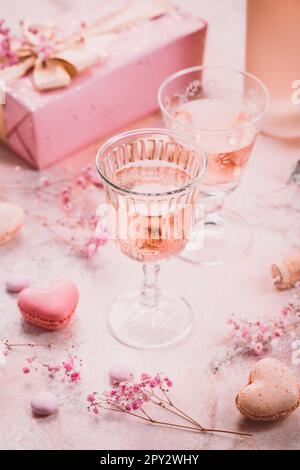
(45, 127)
(243, 287)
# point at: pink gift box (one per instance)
(44, 127)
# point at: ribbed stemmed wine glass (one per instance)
(222, 109)
(151, 179)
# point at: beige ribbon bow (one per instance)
(56, 59)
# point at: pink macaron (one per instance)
(44, 404)
(16, 282)
(50, 308)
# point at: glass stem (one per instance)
(213, 212)
(150, 288)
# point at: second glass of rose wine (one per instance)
(151, 181)
(222, 109)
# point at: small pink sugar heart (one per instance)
(50, 308)
(272, 392)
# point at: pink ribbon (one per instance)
(56, 59)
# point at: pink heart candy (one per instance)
(50, 308)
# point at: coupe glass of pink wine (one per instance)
(222, 109)
(151, 181)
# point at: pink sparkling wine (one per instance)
(221, 129)
(152, 228)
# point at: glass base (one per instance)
(144, 327)
(223, 242)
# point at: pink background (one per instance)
(244, 287)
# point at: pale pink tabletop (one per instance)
(243, 287)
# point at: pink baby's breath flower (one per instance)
(259, 338)
(96, 410)
(285, 311)
(152, 383)
(12, 57)
(44, 182)
(245, 333)
(258, 349)
(145, 376)
(5, 44)
(89, 250)
(68, 207)
(91, 398)
(96, 181)
(81, 182)
(92, 245)
(157, 379)
(137, 404)
(65, 197)
(30, 359)
(146, 397)
(3, 29)
(102, 238)
(68, 366)
(37, 362)
(75, 377)
(33, 30)
(130, 396)
(44, 50)
(87, 171)
(262, 327)
(93, 221)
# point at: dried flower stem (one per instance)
(178, 426)
(32, 345)
(167, 404)
(10, 346)
(132, 398)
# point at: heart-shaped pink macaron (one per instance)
(272, 392)
(50, 308)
